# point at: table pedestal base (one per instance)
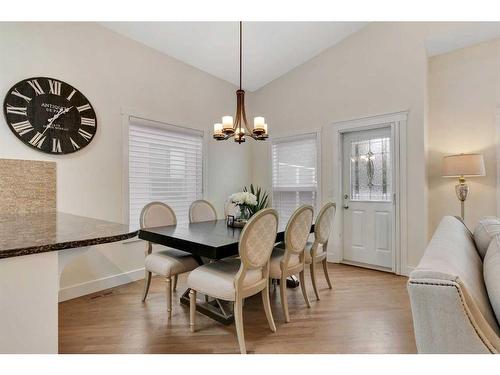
(292, 282)
(219, 310)
(222, 311)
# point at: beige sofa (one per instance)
(450, 305)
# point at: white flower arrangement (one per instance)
(245, 204)
(243, 198)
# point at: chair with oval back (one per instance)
(234, 279)
(316, 251)
(169, 262)
(201, 210)
(290, 260)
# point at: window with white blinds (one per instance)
(295, 173)
(166, 165)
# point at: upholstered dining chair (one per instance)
(234, 279)
(316, 251)
(290, 260)
(201, 210)
(168, 262)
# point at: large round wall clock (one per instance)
(50, 115)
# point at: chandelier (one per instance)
(239, 127)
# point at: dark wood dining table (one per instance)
(209, 241)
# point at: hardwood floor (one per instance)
(365, 312)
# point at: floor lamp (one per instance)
(461, 166)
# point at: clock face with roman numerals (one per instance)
(50, 115)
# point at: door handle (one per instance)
(346, 201)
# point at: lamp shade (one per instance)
(463, 165)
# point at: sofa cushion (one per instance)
(487, 228)
(451, 255)
(491, 271)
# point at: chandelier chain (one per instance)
(241, 48)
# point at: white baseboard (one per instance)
(408, 270)
(332, 258)
(78, 290)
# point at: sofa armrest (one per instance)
(444, 320)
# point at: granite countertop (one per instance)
(27, 234)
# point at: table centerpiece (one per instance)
(249, 202)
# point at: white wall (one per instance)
(464, 93)
(381, 69)
(115, 73)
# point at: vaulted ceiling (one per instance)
(270, 49)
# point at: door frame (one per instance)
(397, 122)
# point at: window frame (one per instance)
(290, 138)
(155, 121)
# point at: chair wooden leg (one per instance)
(168, 282)
(192, 309)
(238, 320)
(284, 301)
(303, 288)
(147, 283)
(313, 279)
(325, 270)
(175, 283)
(267, 308)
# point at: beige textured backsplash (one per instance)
(27, 186)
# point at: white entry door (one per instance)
(368, 210)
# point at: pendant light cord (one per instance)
(241, 23)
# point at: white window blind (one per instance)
(295, 176)
(166, 165)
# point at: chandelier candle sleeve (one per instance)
(258, 123)
(217, 128)
(227, 122)
(218, 133)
